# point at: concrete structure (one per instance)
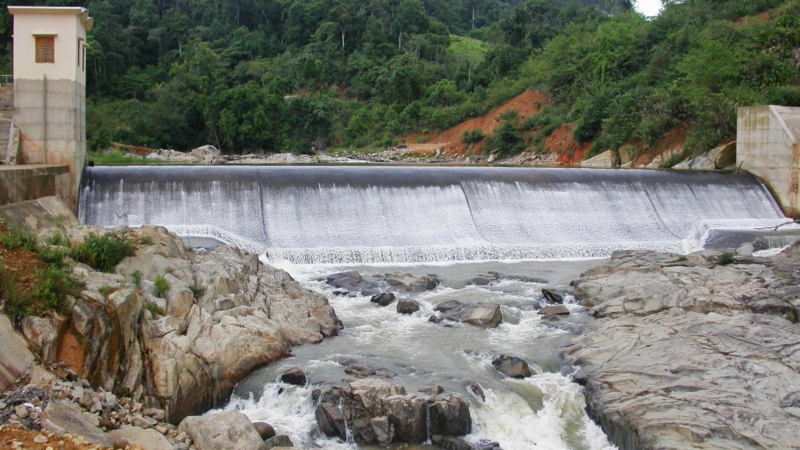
(22, 183)
(49, 88)
(767, 146)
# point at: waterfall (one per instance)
(380, 214)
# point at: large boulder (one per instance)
(207, 154)
(229, 430)
(295, 376)
(407, 306)
(59, 418)
(149, 439)
(605, 160)
(405, 282)
(511, 366)
(484, 314)
(375, 412)
(450, 416)
(383, 299)
(724, 155)
(350, 280)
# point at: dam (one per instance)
(369, 214)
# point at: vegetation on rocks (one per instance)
(102, 251)
(34, 278)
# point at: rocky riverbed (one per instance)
(692, 352)
(698, 350)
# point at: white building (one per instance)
(49, 57)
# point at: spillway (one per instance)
(380, 214)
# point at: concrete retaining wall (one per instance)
(22, 183)
(767, 146)
(53, 126)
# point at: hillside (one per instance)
(184, 74)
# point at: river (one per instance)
(536, 227)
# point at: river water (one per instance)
(545, 224)
(544, 411)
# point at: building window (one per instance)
(45, 49)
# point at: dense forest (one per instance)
(298, 75)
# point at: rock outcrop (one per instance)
(371, 411)
(223, 315)
(689, 353)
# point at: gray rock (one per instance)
(295, 376)
(557, 310)
(280, 440)
(149, 439)
(407, 306)
(230, 430)
(484, 314)
(449, 415)
(265, 430)
(383, 299)
(351, 280)
(511, 366)
(376, 411)
(677, 359)
(553, 296)
(60, 418)
(405, 282)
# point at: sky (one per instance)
(648, 7)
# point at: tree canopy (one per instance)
(281, 75)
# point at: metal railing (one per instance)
(6, 79)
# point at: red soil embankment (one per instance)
(527, 104)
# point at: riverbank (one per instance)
(166, 333)
(698, 351)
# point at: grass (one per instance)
(155, 309)
(725, 259)
(136, 278)
(58, 238)
(51, 285)
(102, 251)
(161, 286)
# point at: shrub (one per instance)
(145, 240)
(19, 237)
(197, 291)
(726, 258)
(136, 277)
(155, 309)
(506, 140)
(102, 251)
(472, 136)
(161, 286)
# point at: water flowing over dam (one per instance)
(369, 214)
